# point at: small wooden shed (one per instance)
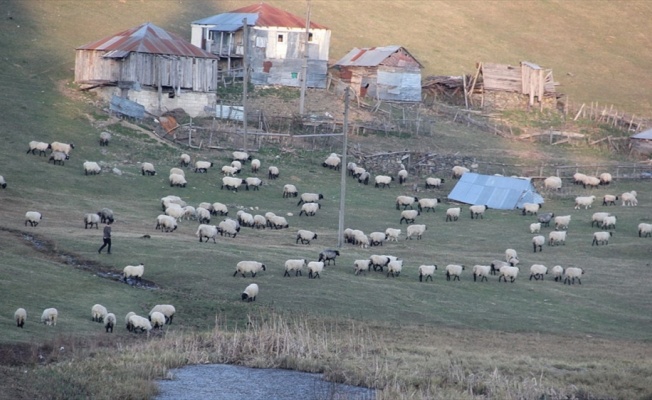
(642, 142)
(384, 73)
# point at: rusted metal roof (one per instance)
(146, 38)
(371, 56)
(266, 15)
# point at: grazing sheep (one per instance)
(508, 272)
(557, 273)
(189, 212)
(453, 213)
(535, 227)
(295, 265)
(58, 157)
(91, 168)
(3, 182)
(177, 180)
(62, 147)
(428, 204)
(609, 222)
(458, 171)
(605, 178)
(310, 209)
(426, 271)
(545, 218)
(33, 217)
(202, 166)
(106, 215)
(175, 212)
(245, 219)
(255, 165)
(305, 236)
(278, 222)
(273, 173)
(357, 237)
(497, 264)
(376, 238)
(392, 234)
(241, 156)
(361, 266)
(409, 216)
(394, 268)
(231, 183)
(601, 238)
(383, 180)
(609, 199)
(49, 316)
(133, 272)
(98, 313)
(260, 222)
(364, 177)
(481, 271)
(405, 201)
(91, 219)
(166, 223)
(538, 241)
(552, 183)
(531, 208)
(478, 210)
(415, 230)
(510, 254)
(157, 319)
(254, 182)
(579, 178)
(310, 198)
(250, 293)
(584, 201)
(591, 182)
(314, 269)
(41, 147)
(629, 198)
(556, 237)
(537, 271)
(20, 316)
(243, 267)
(402, 176)
(147, 168)
(139, 324)
(562, 222)
(350, 168)
(229, 170)
(237, 165)
(184, 160)
(644, 230)
(598, 217)
(167, 200)
(228, 227)
(572, 273)
(434, 183)
(378, 262)
(219, 208)
(207, 231)
(166, 309)
(332, 162)
(328, 255)
(454, 271)
(109, 322)
(128, 322)
(290, 190)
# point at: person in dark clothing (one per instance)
(107, 238)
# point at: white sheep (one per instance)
(41, 147)
(250, 293)
(511, 255)
(98, 313)
(591, 182)
(350, 168)
(219, 208)
(243, 267)
(538, 241)
(434, 183)
(557, 273)
(175, 211)
(202, 166)
(229, 227)
(609, 222)
(507, 271)
(184, 160)
(315, 268)
(310, 198)
(584, 201)
(629, 198)
(394, 268)
(147, 168)
(139, 324)
(402, 176)
(278, 222)
(245, 218)
(166, 309)
(361, 266)
(644, 230)
(609, 199)
(91, 219)
(295, 265)
(552, 183)
(310, 209)
(579, 178)
(3, 182)
(454, 271)
(359, 238)
(598, 217)
(332, 162)
(364, 177)
(601, 238)
(231, 183)
(556, 237)
(273, 172)
(405, 202)
(392, 234)
(605, 178)
(383, 180)
(378, 262)
(255, 165)
(49, 316)
(260, 222)
(105, 137)
(572, 273)
(241, 156)
(535, 227)
(562, 222)
(237, 165)
(481, 271)
(207, 231)
(157, 319)
(20, 316)
(305, 236)
(229, 170)
(190, 212)
(477, 210)
(167, 200)
(458, 171)
(415, 230)
(109, 322)
(426, 271)
(58, 157)
(376, 238)
(409, 216)
(531, 208)
(133, 272)
(254, 182)
(33, 217)
(537, 271)
(62, 147)
(177, 180)
(453, 213)
(166, 223)
(497, 264)
(290, 190)
(127, 320)
(428, 204)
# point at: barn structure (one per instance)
(642, 142)
(149, 66)
(388, 73)
(498, 192)
(275, 48)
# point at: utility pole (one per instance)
(345, 129)
(245, 82)
(304, 65)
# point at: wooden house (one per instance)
(149, 66)
(275, 49)
(388, 73)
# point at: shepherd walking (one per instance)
(107, 238)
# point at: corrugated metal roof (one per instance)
(373, 56)
(497, 192)
(266, 15)
(146, 38)
(229, 22)
(643, 135)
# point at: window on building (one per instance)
(310, 37)
(280, 38)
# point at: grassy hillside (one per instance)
(490, 338)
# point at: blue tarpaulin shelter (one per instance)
(497, 192)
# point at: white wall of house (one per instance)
(192, 103)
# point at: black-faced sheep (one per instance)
(231, 183)
(229, 227)
(405, 202)
(166, 309)
(409, 216)
(33, 218)
(332, 162)
(402, 176)
(109, 322)
(58, 157)
(572, 273)
(601, 238)
(273, 173)
(91, 168)
(49, 316)
(250, 293)
(157, 319)
(481, 271)
(557, 273)
(41, 147)
(415, 230)
(241, 156)
(644, 230)
(328, 255)
(255, 165)
(537, 271)
(394, 268)
(305, 236)
(508, 272)
(383, 180)
(177, 180)
(605, 178)
(428, 204)
(609, 200)
(310, 209)
(538, 241)
(458, 171)
(545, 218)
(134, 272)
(3, 182)
(477, 211)
(426, 271)
(20, 316)
(147, 168)
(295, 265)
(552, 183)
(453, 213)
(290, 190)
(91, 219)
(106, 215)
(531, 208)
(454, 271)
(105, 138)
(315, 268)
(98, 313)
(207, 231)
(310, 198)
(361, 266)
(392, 234)
(584, 201)
(254, 182)
(253, 267)
(434, 183)
(184, 160)
(202, 166)
(556, 237)
(62, 147)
